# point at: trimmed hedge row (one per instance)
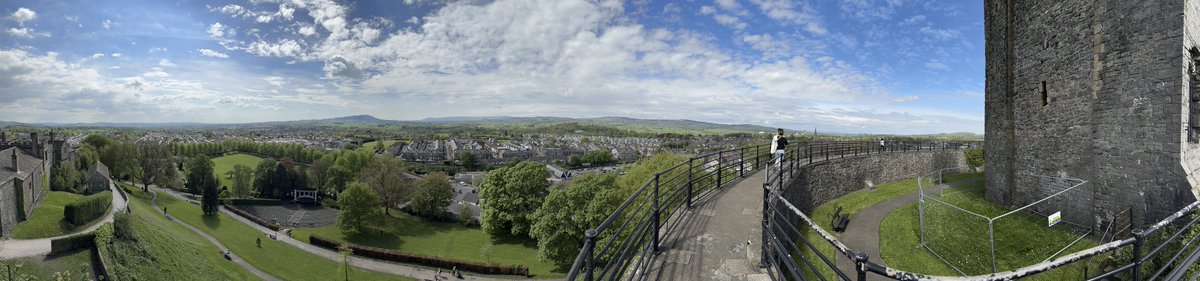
(82, 241)
(389, 255)
(256, 202)
(85, 209)
(253, 218)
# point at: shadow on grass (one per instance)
(510, 239)
(376, 238)
(212, 222)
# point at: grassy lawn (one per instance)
(1021, 239)
(47, 219)
(166, 250)
(852, 203)
(415, 235)
(276, 258)
(224, 164)
(370, 146)
(78, 263)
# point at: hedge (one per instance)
(85, 209)
(82, 241)
(256, 201)
(253, 218)
(389, 255)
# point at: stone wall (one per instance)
(821, 182)
(1090, 90)
(8, 209)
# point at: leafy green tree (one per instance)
(974, 158)
(574, 161)
(360, 208)
(466, 216)
(66, 178)
(99, 142)
(433, 194)
(467, 159)
(511, 196)
(337, 178)
(598, 157)
(344, 253)
(120, 159)
(318, 172)
(155, 165)
(385, 176)
(567, 213)
(243, 180)
(264, 176)
(85, 157)
(201, 178)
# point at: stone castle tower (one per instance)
(1106, 91)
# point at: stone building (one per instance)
(20, 187)
(98, 179)
(1104, 91)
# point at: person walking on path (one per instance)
(778, 147)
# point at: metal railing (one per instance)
(628, 240)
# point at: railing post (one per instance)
(860, 265)
(657, 212)
(809, 154)
(589, 246)
(1139, 238)
(765, 223)
(757, 156)
(742, 163)
(689, 184)
(720, 157)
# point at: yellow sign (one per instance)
(1054, 218)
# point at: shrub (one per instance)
(389, 255)
(255, 219)
(256, 202)
(81, 241)
(86, 209)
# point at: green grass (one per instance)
(276, 258)
(1022, 239)
(78, 263)
(224, 164)
(166, 250)
(417, 236)
(852, 203)
(47, 219)
(370, 146)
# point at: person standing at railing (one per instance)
(778, 147)
(882, 145)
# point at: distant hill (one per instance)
(682, 126)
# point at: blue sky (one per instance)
(890, 66)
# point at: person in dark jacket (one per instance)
(779, 146)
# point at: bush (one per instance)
(255, 219)
(389, 255)
(85, 209)
(81, 241)
(256, 202)
(331, 203)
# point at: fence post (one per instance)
(720, 157)
(657, 212)
(765, 222)
(809, 154)
(742, 163)
(757, 156)
(589, 246)
(860, 265)
(992, 241)
(1138, 240)
(689, 184)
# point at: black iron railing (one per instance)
(628, 240)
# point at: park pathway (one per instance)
(232, 256)
(420, 273)
(862, 233)
(20, 248)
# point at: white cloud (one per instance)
(211, 53)
(940, 34)
(166, 63)
(284, 48)
(23, 15)
(107, 23)
(218, 31)
(787, 10)
(730, 21)
(307, 31)
(116, 55)
(20, 32)
(156, 74)
(936, 64)
(913, 20)
(905, 99)
(285, 11)
(707, 10)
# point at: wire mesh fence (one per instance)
(974, 236)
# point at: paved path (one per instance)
(20, 248)
(721, 240)
(420, 273)
(232, 256)
(862, 234)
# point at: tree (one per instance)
(385, 176)
(66, 178)
(974, 158)
(200, 178)
(511, 196)
(243, 179)
(574, 161)
(264, 175)
(433, 194)
(120, 158)
(567, 213)
(360, 208)
(155, 165)
(85, 157)
(598, 157)
(467, 159)
(379, 147)
(337, 178)
(344, 253)
(466, 216)
(99, 142)
(318, 172)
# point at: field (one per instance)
(77, 263)
(47, 219)
(370, 146)
(224, 164)
(276, 258)
(1021, 239)
(854, 202)
(166, 250)
(414, 235)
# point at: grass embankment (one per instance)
(276, 258)
(77, 262)
(224, 164)
(418, 236)
(852, 203)
(1021, 239)
(47, 219)
(370, 146)
(166, 250)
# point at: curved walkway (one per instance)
(234, 258)
(863, 231)
(20, 248)
(420, 273)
